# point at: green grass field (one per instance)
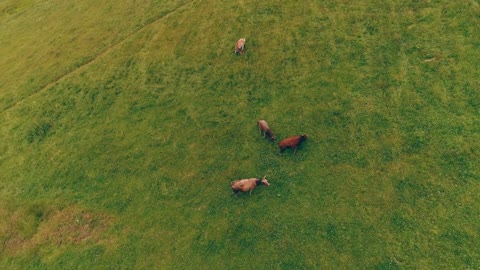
(124, 122)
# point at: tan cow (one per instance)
(263, 127)
(247, 184)
(240, 46)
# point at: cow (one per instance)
(240, 46)
(247, 185)
(292, 142)
(263, 127)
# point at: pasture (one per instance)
(124, 122)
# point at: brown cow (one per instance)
(263, 127)
(292, 142)
(240, 46)
(247, 184)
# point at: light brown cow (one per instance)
(263, 127)
(292, 142)
(247, 184)
(240, 46)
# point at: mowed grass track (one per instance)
(124, 123)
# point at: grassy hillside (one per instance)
(123, 124)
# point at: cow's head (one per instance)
(271, 135)
(264, 181)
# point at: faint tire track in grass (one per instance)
(89, 60)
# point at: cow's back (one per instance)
(289, 142)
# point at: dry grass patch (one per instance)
(72, 226)
(27, 230)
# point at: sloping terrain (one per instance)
(123, 125)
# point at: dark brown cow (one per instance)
(240, 46)
(263, 127)
(292, 142)
(247, 184)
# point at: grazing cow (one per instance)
(263, 127)
(247, 184)
(292, 142)
(240, 46)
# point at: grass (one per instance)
(124, 123)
